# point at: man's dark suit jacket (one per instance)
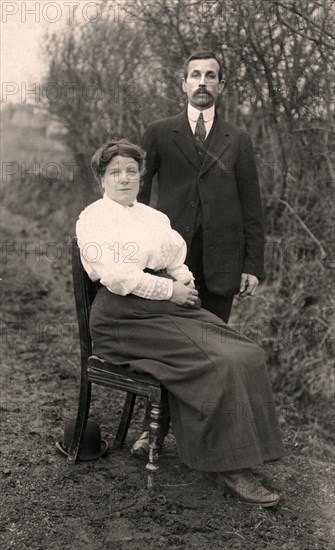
(225, 183)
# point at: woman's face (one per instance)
(121, 181)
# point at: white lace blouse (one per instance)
(118, 242)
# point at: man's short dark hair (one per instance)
(202, 54)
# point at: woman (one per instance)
(221, 402)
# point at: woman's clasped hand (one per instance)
(183, 294)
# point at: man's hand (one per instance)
(248, 285)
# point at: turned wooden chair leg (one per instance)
(125, 420)
(154, 436)
(165, 418)
(82, 415)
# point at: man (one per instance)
(208, 187)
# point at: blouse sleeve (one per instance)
(178, 269)
(176, 266)
(103, 260)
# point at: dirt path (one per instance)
(51, 505)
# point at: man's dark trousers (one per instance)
(219, 305)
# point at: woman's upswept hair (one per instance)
(111, 149)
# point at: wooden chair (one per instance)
(120, 377)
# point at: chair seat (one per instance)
(121, 376)
(121, 370)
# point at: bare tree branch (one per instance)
(309, 20)
(319, 40)
(303, 225)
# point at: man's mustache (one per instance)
(202, 91)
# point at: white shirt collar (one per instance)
(193, 113)
(117, 204)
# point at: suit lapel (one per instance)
(220, 141)
(182, 136)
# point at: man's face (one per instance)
(202, 84)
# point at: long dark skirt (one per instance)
(221, 403)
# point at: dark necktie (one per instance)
(200, 130)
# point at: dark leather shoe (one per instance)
(246, 486)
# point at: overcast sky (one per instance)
(23, 24)
(21, 58)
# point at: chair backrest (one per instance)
(84, 294)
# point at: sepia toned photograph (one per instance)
(167, 275)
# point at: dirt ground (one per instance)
(48, 504)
